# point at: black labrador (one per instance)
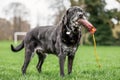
(61, 40)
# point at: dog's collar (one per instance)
(68, 29)
(68, 32)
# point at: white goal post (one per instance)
(16, 36)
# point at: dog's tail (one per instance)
(18, 48)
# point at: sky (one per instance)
(36, 8)
(112, 4)
(41, 7)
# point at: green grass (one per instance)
(85, 67)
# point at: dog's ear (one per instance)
(65, 17)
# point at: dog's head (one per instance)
(75, 17)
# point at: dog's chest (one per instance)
(69, 50)
(70, 38)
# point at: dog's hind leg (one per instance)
(41, 57)
(28, 54)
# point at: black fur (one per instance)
(61, 40)
(18, 48)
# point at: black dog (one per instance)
(61, 40)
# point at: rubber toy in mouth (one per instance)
(87, 25)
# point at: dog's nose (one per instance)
(80, 15)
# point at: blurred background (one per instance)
(23, 15)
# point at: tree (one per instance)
(101, 20)
(59, 8)
(118, 1)
(116, 27)
(80, 3)
(17, 11)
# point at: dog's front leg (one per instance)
(70, 63)
(62, 58)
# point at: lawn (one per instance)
(85, 67)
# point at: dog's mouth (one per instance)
(87, 25)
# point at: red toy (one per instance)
(88, 25)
